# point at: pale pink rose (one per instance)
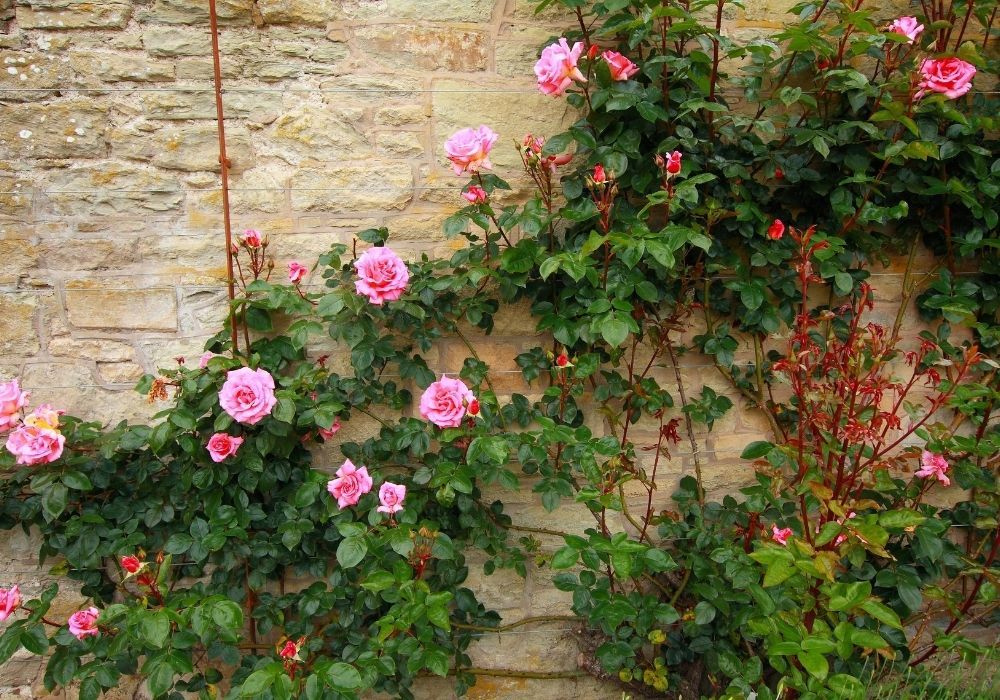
(391, 497)
(222, 445)
(12, 400)
(950, 76)
(34, 445)
(382, 275)
(933, 465)
(203, 360)
(248, 395)
(252, 238)
(83, 623)
(350, 485)
(908, 27)
(445, 402)
(10, 600)
(327, 433)
(44, 417)
(781, 535)
(296, 272)
(475, 194)
(621, 67)
(469, 149)
(557, 68)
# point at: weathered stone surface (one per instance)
(98, 349)
(19, 254)
(229, 12)
(317, 12)
(315, 132)
(442, 10)
(426, 48)
(78, 253)
(119, 67)
(518, 48)
(177, 41)
(33, 70)
(199, 103)
(97, 304)
(403, 144)
(17, 324)
(72, 128)
(72, 14)
(111, 187)
(400, 115)
(191, 148)
(261, 189)
(375, 186)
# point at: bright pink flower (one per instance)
(327, 433)
(908, 27)
(599, 175)
(296, 272)
(252, 238)
(131, 564)
(475, 194)
(933, 465)
(10, 600)
(445, 401)
(391, 497)
(557, 68)
(34, 445)
(350, 485)
(674, 162)
(469, 149)
(776, 230)
(203, 360)
(949, 76)
(621, 67)
(382, 275)
(12, 400)
(781, 535)
(248, 395)
(222, 445)
(83, 623)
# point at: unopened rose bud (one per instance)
(473, 409)
(252, 238)
(562, 360)
(592, 51)
(779, 174)
(131, 564)
(776, 230)
(296, 272)
(599, 175)
(475, 195)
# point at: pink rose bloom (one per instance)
(44, 417)
(203, 360)
(933, 465)
(445, 401)
(350, 485)
(382, 275)
(469, 149)
(391, 497)
(296, 272)
(83, 623)
(34, 445)
(222, 445)
(12, 400)
(475, 194)
(780, 535)
(673, 161)
(908, 27)
(10, 600)
(327, 433)
(252, 238)
(950, 76)
(248, 395)
(557, 68)
(621, 67)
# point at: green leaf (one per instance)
(756, 449)
(343, 677)
(815, 663)
(614, 331)
(284, 411)
(846, 686)
(259, 319)
(259, 681)
(565, 558)
(54, 501)
(178, 543)
(77, 480)
(882, 613)
(351, 551)
(34, 640)
(704, 613)
(155, 628)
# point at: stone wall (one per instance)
(111, 235)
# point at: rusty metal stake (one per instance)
(225, 164)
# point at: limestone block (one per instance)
(111, 187)
(17, 324)
(19, 253)
(401, 115)
(99, 349)
(229, 12)
(120, 67)
(259, 107)
(404, 144)
(31, 69)
(315, 12)
(188, 147)
(518, 48)
(417, 227)
(72, 128)
(318, 133)
(168, 42)
(377, 186)
(105, 304)
(87, 253)
(440, 10)
(72, 14)
(426, 48)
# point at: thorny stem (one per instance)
(688, 424)
(493, 218)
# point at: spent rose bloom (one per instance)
(34, 445)
(475, 194)
(933, 465)
(531, 148)
(908, 27)
(382, 275)
(350, 485)
(248, 395)
(391, 497)
(557, 68)
(469, 149)
(83, 623)
(252, 238)
(781, 535)
(327, 433)
(10, 600)
(950, 76)
(776, 230)
(621, 67)
(12, 400)
(131, 564)
(222, 445)
(296, 272)
(445, 401)
(203, 360)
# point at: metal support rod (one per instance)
(224, 163)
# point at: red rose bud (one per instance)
(776, 230)
(592, 51)
(562, 360)
(131, 564)
(475, 194)
(779, 174)
(289, 651)
(599, 175)
(474, 407)
(674, 162)
(823, 63)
